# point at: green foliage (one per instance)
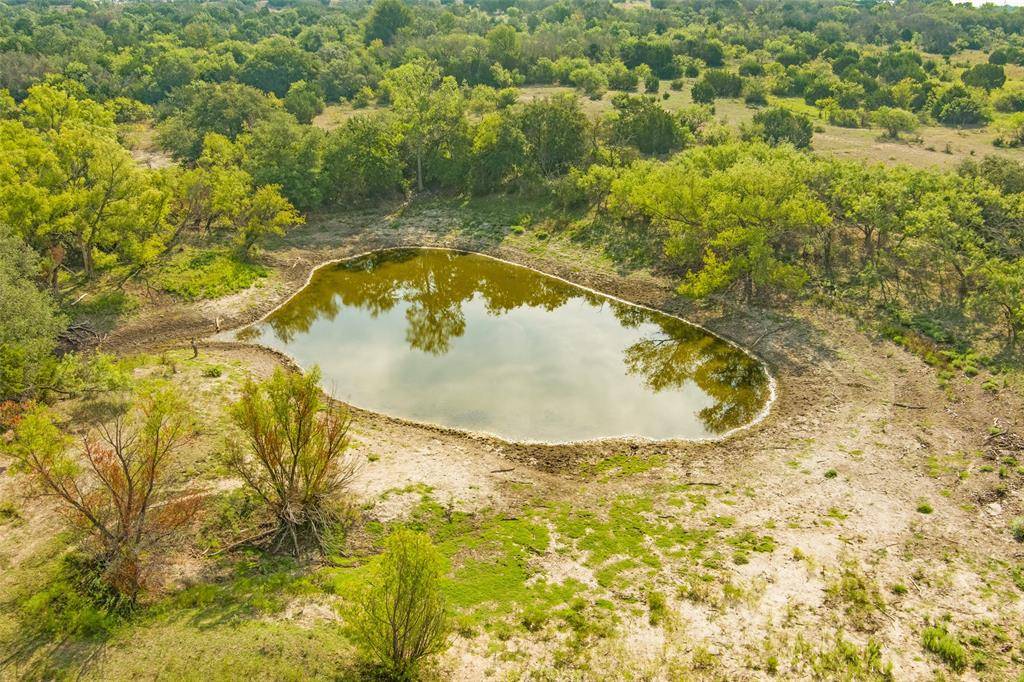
(858, 595)
(777, 125)
(70, 190)
(304, 101)
(386, 18)
(500, 155)
(657, 607)
(715, 83)
(278, 152)
(987, 76)
(957, 106)
(894, 121)
(73, 601)
(28, 335)
(293, 457)
(558, 133)
(402, 617)
(198, 109)
(118, 489)
(755, 93)
(275, 63)
(1009, 99)
(590, 80)
(197, 274)
(641, 122)
(362, 159)
(9, 513)
(1010, 130)
(430, 111)
(1005, 173)
(736, 215)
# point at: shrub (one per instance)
(304, 101)
(590, 80)
(651, 83)
(717, 83)
(755, 93)
(777, 125)
(846, 118)
(123, 497)
(402, 616)
(858, 594)
(294, 458)
(9, 513)
(1009, 99)
(1010, 131)
(74, 601)
(987, 76)
(957, 106)
(641, 122)
(702, 93)
(31, 323)
(895, 121)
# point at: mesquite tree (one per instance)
(402, 617)
(118, 487)
(294, 458)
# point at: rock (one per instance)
(994, 509)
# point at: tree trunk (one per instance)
(419, 170)
(87, 263)
(869, 247)
(1011, 330)
(826, 255)
(57, 254)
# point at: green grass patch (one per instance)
(945, 646)
(844, 660)
(197, 274)
(624, 465)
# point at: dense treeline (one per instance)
(846, 59)
(761, 222)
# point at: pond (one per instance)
(470, 342)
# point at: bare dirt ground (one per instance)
(862, 436)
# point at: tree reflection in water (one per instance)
(435, 286)
(735, 380)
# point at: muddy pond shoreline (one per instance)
(174, 324)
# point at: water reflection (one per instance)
(491, 346)
(735, 380)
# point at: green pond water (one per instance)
(470, 342)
